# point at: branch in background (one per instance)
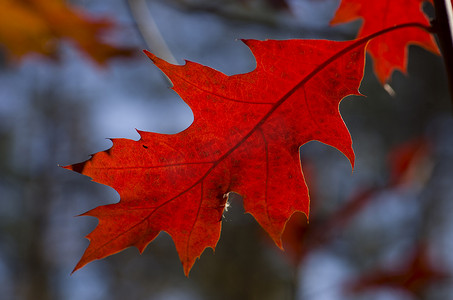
(149, 30)
(232, 10)
(272, 13)
(444, 28)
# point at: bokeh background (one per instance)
(384, 231)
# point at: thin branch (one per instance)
(149, 30)
(231, 10)
(443, 25)
(274, 19)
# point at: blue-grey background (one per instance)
(58, 113)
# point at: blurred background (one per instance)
(73, 76)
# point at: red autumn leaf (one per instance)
(245, 138)
(389, 51)
(38, 26)
(297, 238)
(412, 276)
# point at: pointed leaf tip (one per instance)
(150, 55)
(76, 167)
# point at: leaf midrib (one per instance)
(277, 104)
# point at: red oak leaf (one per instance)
(245, 138)
(389, 51)
(38, 26)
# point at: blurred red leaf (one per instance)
(245, 138)
(297, 232)
(409, 163)
(38, 26)
(389, 51)
(413, 275)
(301, 237)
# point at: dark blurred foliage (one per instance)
(361, 223)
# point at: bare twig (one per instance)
(149, 30)
(443, 25)
(231, 10)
